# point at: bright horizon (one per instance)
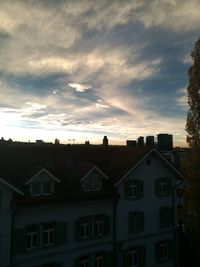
(85, 69)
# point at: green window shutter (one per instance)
(157, 252)
(142, 256)
(169, 185)
(171, 246)
(125, 258)
(161, 215)
(78, 229)
(140, 188)
(19, 241)
(131, 219)
(126, 190)
(106, 224)
(140, 221)
(108, 259)
(169, 215)
(157, 187)
(61, 233)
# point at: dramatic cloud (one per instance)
(80, 87)
(98, 68)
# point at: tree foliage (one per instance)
(193, 117)
(191, 165)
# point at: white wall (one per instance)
(150, 204)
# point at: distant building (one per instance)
(150, 140)
(105, 141)
(165, 142)
(140, 141)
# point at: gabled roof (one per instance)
(39, 172)
(3, 181)
(140, 157)
(124, 159)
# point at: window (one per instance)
(41, 187)
(35, 188)
(136, 222)
(164, 250)
(92, 227)
(40, 235)
(166, 215)
(98, 261)
(32, 237)
(48, 234)
(84, 262)
(133, 189)
(46, 187)
(133, 258)
(163, 186)
(85, 230)
(93, 182)
(98, 226)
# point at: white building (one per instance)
(87, 206)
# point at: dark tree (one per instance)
(191, 165)
(193, 117)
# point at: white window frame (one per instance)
(85, 226)
(163, 188)
(135, 258)
(132, 191)
(48, 232)
(32, 235)
(99, 225)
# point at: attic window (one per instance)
(41, 188)
(92, 183)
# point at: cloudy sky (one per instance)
(84, 69)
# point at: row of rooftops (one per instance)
(19, 162)
(69, 164)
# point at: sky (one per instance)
(85, 69)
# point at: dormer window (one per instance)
(41, 188)
(93, 181)
(42, 183)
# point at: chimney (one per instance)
(105, 141)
